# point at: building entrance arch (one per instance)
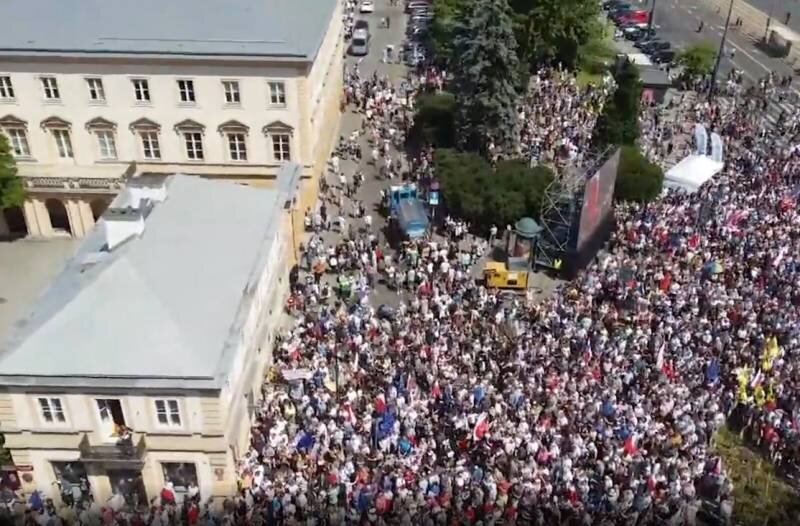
(99, 206)
(59, 219)
(15, 219)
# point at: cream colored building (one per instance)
(163, 322)
(222, 89)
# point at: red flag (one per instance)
(630, 445)
(436, 391)
(481, 427)
(665, 282)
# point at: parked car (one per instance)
(367, 6)
(359, 44)
(656, 45)
(617, 7)
(636, 33)
(645, 42)
(632, 17)
(361, 24)
(664, 56)
(416, 4)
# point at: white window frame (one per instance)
(170, 410)
(193, 144)
(106, 144)
(150, 142)
(54, 407)
(18, 140)
(97, 92)
(63, 143)
(232, 92)
(277, 93)
(141, 90)
(50, 88)
(186, 89)
(278, 150)
(6, 88)
(237, 146)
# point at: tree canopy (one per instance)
(550, 31)
(485, 196)
(698, 59)
(12, 192)
(434, 120)
(638, 179)
(486, 77)
(618, 124)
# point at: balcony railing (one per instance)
(128, 451)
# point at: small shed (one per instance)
(655, 83)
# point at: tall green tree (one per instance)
(550, 31)
(486, 77)
(619, 123)
(442, 28)
(12, 192)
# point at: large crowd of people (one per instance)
(459, 405)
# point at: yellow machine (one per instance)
(511, 275)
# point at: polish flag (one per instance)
(436, 391)
(629, 446)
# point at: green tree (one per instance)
(698, 59)
(442, 27)
(638, 179)
(618, 124)
(12, 192)
(486, 77)
(550, 31)
(485, 196)
(434, 120)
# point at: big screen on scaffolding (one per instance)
(598, 198)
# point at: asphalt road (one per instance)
(678, 20)
(778, 9)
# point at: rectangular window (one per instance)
(141, 90)
(231, 88)
(186, 90)
(237, 147)
(280, 147)
(63, 143)
(277, 93)
(52, 410)
(108, 147)
(6, 88)
(150, 147)
(19, 142)
(168, 413)
(50, 87)
(194, 145)
(96, 91)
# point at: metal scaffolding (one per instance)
(561, 210)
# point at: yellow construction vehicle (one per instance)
(502, 275)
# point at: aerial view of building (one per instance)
(142, 360)
(93, 96)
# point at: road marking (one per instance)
(748, 55)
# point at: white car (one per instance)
(367, 6)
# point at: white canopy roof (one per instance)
(692, 172)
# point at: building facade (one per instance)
(135, 369)
(233, 92)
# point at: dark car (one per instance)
(611, 4)
(645, 42)
(640, 35)
(665, 56)
(656, 45)
(361, 24)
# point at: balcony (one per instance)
(125, 453)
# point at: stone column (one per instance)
(87, 216)
(37, 218)
(74, 216)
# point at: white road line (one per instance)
(748, 55)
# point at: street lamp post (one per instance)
(650, 18)
(714, 74)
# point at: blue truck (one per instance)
(407, 212)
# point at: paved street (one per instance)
(678, 21)
(778, 10)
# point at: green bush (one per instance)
(482, 196)
(638, 179)
(434, 120)
(619, 122)
(698, 59)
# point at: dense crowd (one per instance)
(461, 405)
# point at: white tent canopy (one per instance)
(692, 172)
